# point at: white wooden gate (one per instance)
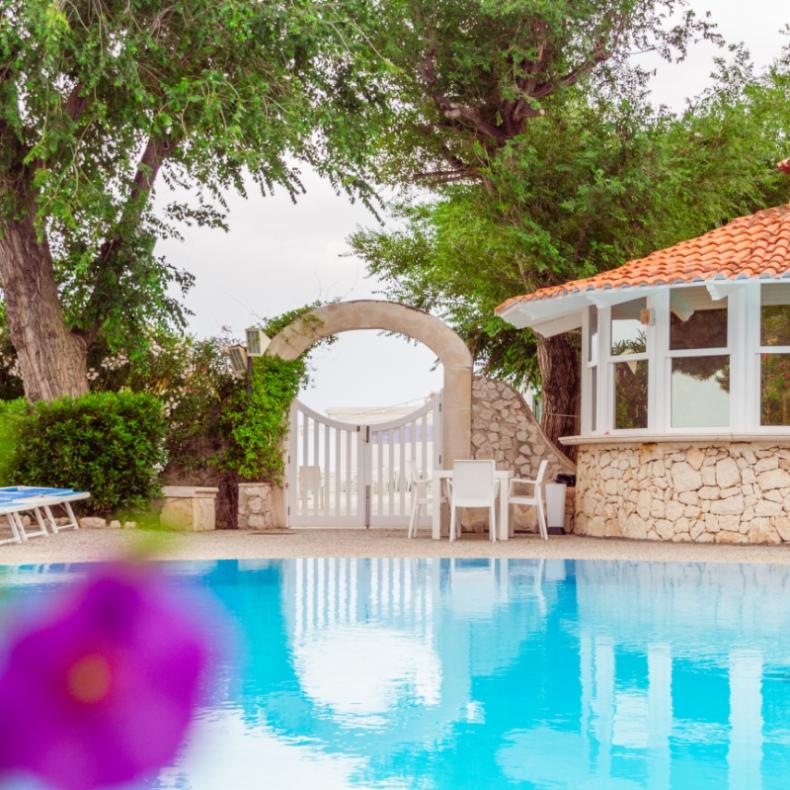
(346, 475)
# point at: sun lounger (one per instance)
(40, 501)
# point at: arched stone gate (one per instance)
(332, 319)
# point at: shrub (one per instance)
(12, 412)
(108, 443)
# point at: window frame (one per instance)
(607, 361)
(761, 349)
(686, 353)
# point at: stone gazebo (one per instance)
(685, 386)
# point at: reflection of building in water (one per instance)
(701, 637)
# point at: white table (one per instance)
(503, 525)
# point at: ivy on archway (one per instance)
(256, 419)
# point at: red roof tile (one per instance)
(753, 246)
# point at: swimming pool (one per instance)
(398, 673)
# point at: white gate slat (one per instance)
(338, 473)
(326, 491)
(316, 462)
(380, 480)
(402, 470)
(348, 473)
(413, 456)
(390, 471)
(424, 445)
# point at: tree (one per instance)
(473, 78)
(99, 101)
(598, 179)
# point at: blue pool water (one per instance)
(383, 673)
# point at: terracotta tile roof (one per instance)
(747, 247)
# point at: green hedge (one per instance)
(108, 443)
(12, 413)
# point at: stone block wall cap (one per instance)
(677, 438)
(189, 492)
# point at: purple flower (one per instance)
(101, 691)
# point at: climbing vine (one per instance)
(255, 419)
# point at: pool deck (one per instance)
(88, 545)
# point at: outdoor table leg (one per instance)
(436, 508)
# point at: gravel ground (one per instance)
(89, 545)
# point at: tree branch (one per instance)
(156, 151)
(75, 103)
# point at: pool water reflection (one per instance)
(396, 673)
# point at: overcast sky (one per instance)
(278, 256)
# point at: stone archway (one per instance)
(332, 319)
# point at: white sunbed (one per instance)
(16, 500)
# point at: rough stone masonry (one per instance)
(716, 492)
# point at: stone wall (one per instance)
(258, 505)
(504, 429)
(718, 492)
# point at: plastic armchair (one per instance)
(536, 499)
(473, 485)
(420, 486)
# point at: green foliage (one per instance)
(597, 180)
(101, 101)
(256, 421)
(193, 380)
(472, 76)
(108, 443)
(12, 414)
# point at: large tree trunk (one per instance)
(559, 368)
(52, 361)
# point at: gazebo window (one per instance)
(775, 355)
(699, 359)
(628, 351)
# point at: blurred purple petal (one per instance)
(102, 691)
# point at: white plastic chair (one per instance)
(421, 496)
(473, 485)
(536, 499)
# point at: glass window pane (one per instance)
(628, 332)
(630, 394)
(592, 350)
(695, 320)
(701, 392)
(593, 398)
(775, 316)
(775, 389)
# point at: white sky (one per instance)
(278, 256)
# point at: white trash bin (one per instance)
(555, 505)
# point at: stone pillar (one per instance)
(456, 415)
(260, 506)
(189, 508)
